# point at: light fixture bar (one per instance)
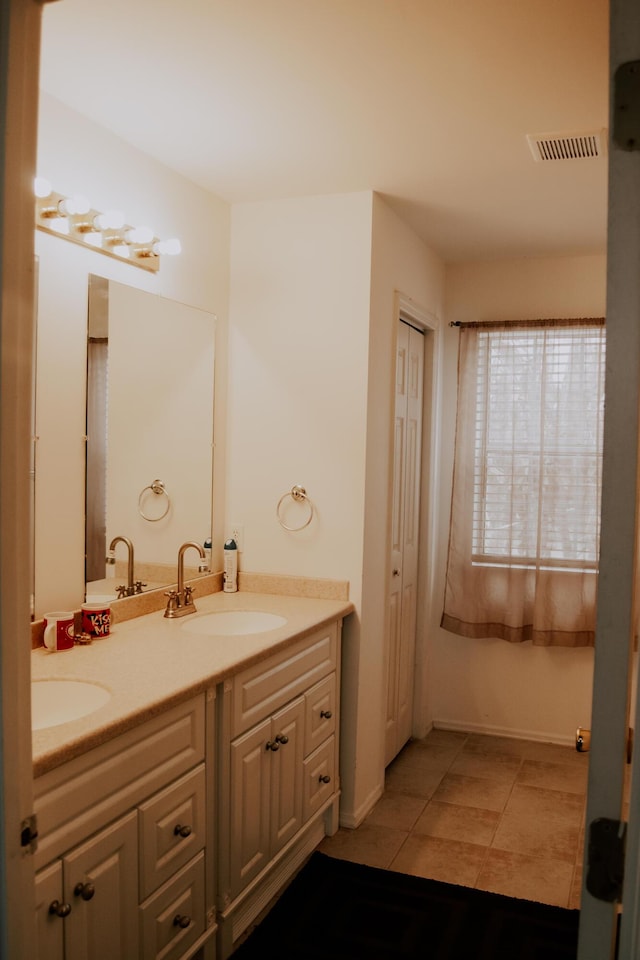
(73, 218)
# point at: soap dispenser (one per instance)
(230, 566)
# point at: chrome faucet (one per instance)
(130, 589)
(180, 601)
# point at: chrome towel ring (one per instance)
(159, 489)
(299, 495)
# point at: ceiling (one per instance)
(427, 102)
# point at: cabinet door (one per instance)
(101, 884)
(250, 775)
(287, 732)
(50, 910)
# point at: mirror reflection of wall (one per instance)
(149, 418)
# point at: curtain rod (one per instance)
(498, 324)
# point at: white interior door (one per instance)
(617, 570)
(402, 605)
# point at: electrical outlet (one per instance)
(237, 534)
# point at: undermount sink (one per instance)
(233, 623)
(59, 701)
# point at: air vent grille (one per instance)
(569, 146)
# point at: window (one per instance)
(538, 446)
(525, 515)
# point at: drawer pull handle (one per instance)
(326, 714)
(57, 909)
(282, 738)
(84, 890)
(182, 831)
(272, 745)
(324, 778)
(182, 922)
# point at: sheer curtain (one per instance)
(525, 513)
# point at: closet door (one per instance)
(401, 623)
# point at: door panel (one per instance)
(405, 530)
(618, 551)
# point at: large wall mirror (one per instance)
(146, 446)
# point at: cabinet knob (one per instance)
(282, 738)
(272, 745)
(324, 778)
(182, 831)
(57, 909)
(326, 714)
(182, 922)
(84, 890)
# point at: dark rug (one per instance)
(336, 910)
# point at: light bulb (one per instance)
(139, 235)
(168, 247)
(72, 206)
(41, 187)
(110, 220)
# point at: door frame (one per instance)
(19, 68)
(428, 323)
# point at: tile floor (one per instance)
(488, 812)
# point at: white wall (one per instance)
(78, 156)
(311, 352)
(490, 685)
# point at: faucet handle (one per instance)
(121, 591)
(188, 596)
(173, 602)
(138, 585)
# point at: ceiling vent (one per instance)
(567, 146)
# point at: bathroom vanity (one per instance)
(171, 816)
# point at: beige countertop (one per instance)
(150, 663)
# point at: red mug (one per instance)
(58, 630)
(96, 619)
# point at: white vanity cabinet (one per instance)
(124, 858)
(278, 785)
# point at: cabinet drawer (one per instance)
(261, 689)
(163, 822)
(79, 797)
(320, 713)
(180, 900)
(317, 767)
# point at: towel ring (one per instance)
(160, 490)
(299, 495)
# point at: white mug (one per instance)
(58, 630)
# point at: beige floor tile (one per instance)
(537, 803)
(567, 777)
(539, 837)
(473, 792)
(444, 737)
(483, 743)
(438, 756)
(554, 753)
(373, 845)
(529, 878)
(452, 822)
(397, 810)
(413, 779)
(449, 861)
(501, 767)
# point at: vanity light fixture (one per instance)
(74, 219)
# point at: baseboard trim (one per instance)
(353, 819)
(563, 739)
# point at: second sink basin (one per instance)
(233, 623)
(59, 701)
